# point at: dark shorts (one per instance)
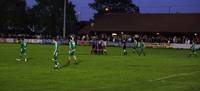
(193, 51)
(124, 47)
(71, 53)
(100, 47)
(23, 51)
(93, 46)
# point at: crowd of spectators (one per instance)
(158, 38)
(146, 38)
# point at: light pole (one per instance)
(64, 21)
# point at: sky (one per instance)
(146, 6)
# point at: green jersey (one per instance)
(193, 47)
(23, 45)
(23, 50)
(141, 45)
(56, 48)
(141, 49)
(135, 44)
(193, 50)
(72, 45)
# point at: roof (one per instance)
(146, 23)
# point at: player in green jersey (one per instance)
(72, 50)
(55, 54)
(23, 50)
(141, 49)
(134, 47)
(124, 46)
(193, 50)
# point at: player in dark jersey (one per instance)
(94, 42)
(96, 47)
(104, 45)
(124, 46)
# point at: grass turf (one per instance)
(160, 70)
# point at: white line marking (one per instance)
(174, 75)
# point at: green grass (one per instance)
(160, 70)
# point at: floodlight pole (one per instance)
(64, 21)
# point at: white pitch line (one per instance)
(174, 75)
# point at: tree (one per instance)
(12, 16)
(48, 14)
(114, 6)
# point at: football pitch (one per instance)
(159, 70)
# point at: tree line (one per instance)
(46, 16)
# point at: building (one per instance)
(145, 23)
